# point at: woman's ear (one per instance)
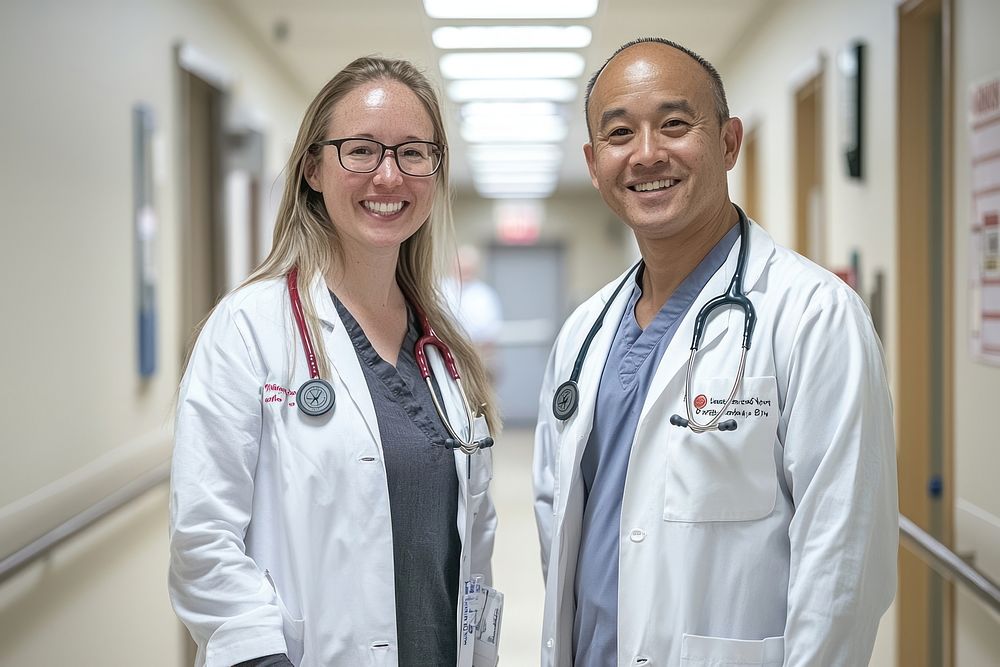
(311, 172)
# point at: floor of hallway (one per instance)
(517, 571)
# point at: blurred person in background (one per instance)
(475, 304)
(326, 507)
(694, 510)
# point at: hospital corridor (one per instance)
(689, 311)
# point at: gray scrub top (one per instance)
(423, 501)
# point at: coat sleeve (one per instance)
(218, 591)
(544, 468)
(840, 465)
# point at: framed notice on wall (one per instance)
(145, 236)
(984, 257)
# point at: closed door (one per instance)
(529, 281)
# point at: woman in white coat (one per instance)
(338, 537)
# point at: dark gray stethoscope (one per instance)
(316, 397)
(567, 396)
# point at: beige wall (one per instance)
(977, 386)
(71, 73)
(761, 75)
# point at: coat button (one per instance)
(637, 535)
(550, 643)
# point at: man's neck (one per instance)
(669, 261)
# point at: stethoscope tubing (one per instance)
(430, 337)
(566, 397)
(323, 394)
(734, 296)
(300, 323)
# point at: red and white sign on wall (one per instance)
(518, 222)
(984, 264)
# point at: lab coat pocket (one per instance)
(481, 461)
(293, 628)
(698, 651)
(725, 475)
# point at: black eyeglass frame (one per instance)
(395, 154)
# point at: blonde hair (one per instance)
(305, 238)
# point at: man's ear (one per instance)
(588, 153)
(311, 169)
(732, 139)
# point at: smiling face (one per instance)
(659, 153)
(375, 212)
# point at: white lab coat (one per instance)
(280, 532)
(771, 545)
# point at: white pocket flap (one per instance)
(700, 651)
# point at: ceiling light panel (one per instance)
(515, 180)
(517, 65)
(514, 152)
(485, 167)
(556, 90)
(509, 109)
(511, 37)
(510, 9)
(504, 192)
(544, 129)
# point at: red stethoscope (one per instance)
(316, 396)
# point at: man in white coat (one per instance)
(771, 544)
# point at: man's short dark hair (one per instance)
(718, 91)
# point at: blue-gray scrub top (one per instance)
(628, 372)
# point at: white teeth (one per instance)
(383, 208)
(655, 185)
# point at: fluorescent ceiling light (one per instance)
(544, 129)
(519, 196)
(514, 152)
(511, 180)
(509, 109)
(512, 37)
(527, 171)
(515, 65)
(516, 191)
(510, 9)
(484, 167)
(556, 90)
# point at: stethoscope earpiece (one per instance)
(677, 420)
(728, 425)
(451, 443)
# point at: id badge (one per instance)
(482, 613)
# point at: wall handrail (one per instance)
(123, 496)
(942, 559)
(949, 564)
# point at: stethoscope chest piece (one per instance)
(565, 400)
(315, 397)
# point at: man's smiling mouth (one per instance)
(654, 185)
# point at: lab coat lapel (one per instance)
(343, 358)
(580, 425)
